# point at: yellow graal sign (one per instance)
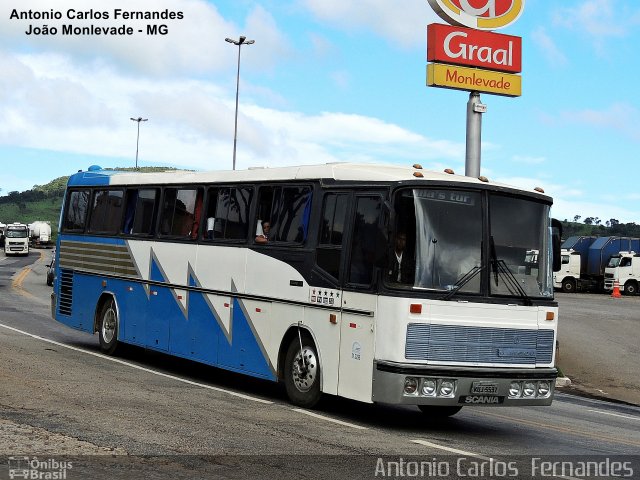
(473, 79)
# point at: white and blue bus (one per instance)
(376, 283)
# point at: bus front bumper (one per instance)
(410, 384)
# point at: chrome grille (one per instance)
(453, 343)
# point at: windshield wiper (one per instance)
(462, 281)
(512, 282)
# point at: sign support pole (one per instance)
(475, 109)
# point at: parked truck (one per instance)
(625, 268)
(40, 234)
(585, 258)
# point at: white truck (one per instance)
(568, 277)
(40, 233)
(624, 267)
(17, 239)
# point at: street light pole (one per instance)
(139, 119)
(241, 41)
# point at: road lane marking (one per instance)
(329, 419)
(137, 367)
(471, 454)
(558, 428)
(614, 414)
(451, 450)
(17, 283)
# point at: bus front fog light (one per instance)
(515, 389)
(429, 387)
(543, 389)
(410, 385)
(529, 389)
(446, 388)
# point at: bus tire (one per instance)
(108, 327)
(302, 382)
(436, 411)
(630, 288)
(569, 285)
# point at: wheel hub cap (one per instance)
(109, 325)
(305, 369)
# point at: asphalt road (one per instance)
(599, 347)
(146, 414)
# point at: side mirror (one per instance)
(556, 236)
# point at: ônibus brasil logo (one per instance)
(479, 14)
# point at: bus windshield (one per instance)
(439, 238)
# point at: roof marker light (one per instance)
(449, 171)
(482, 178)
(538, 189)
(417, 166)
(418, 174)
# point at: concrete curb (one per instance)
(563, 382)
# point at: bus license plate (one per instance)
(484, 388)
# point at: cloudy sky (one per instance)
(326, 80)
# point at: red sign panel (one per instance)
(474, 48)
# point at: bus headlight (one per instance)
(514, 389)
(529, 389)
(543, 389)
(446, 388)
(429, 387)
(410, 385)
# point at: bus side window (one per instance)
(228, 213)
(106, 211)
(329, 251)
(140, 211)
(288, 209)
(179, 212)
(364, 240)
(76, 208)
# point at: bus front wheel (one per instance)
(108, 327)
(436, 411)
(302, 373)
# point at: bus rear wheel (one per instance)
(436, 411)
(302, 373)
(108, 327)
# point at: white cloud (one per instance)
(549, 48)
(618, 116)
(76, 110)
(402, 22)
(600, 20)
(194, 45)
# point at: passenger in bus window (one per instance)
(401, 269)
(264, 236)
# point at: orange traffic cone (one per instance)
(616, 289)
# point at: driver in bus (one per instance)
(402, 265)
